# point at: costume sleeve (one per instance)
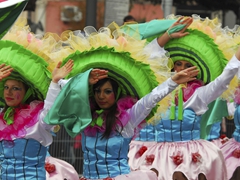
(71, 108)
(157, 51)
(206, 94)
(52, 94)
(143, 107)
(63, 82)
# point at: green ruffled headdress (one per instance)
(201, 51)
(28, 68)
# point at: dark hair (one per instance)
(128, 18)
(111, 118)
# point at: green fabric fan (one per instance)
(28, 67)
(8, 16)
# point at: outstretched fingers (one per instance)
(96, 75)
(187, 21)
(69, 65)
(5, 71)
(192, 71)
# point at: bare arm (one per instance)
(162, 40)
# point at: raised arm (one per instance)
(144, 106)
(61, 72)
(208, 93)
(54, 89)
(177, 30)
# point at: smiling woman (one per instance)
(14, 92)
(24, 136)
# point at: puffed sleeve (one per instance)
(52, 94)
(206, 94)
(155, 49)
(143, 107)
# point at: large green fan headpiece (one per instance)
(134, 77)
(28, 68)
(201, 51)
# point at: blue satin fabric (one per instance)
(22, 159)
(173, 130)
(236, 133)
(105, 157)
(214, 132)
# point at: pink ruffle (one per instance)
(191, 87)
(24, 117)
(189, 90)
(123, 104)
(237, 95)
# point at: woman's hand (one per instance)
(181, 21)
(5, 71)
(187, 21)
(185, 75)
(61, 72)
(96, 75)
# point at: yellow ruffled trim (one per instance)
(54, 48)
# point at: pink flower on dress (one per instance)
(149, 159)
(223, 138)
(141, 150)
(196, 157)
(236, 153)
(177, 158)
(50, 168)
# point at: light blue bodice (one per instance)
(173, 130)
(105, 157)
(22, 159)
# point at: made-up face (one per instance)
(104, 96)
(181, 65)
(14, 92)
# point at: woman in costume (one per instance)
(173, 146)
(231, 149)
(24, 136)
(118, 104)
(26, 53)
